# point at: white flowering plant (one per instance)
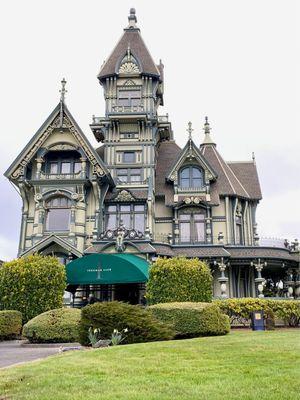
(118, 337)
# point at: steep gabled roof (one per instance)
(246, 172)
(132, 39)
(227, 183)
(60, 116)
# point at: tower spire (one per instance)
(207, 137)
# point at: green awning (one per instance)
(107, 269)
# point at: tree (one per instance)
(32, 285)
(179, 279)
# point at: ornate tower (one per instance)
(131, 128)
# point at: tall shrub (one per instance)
(32, 285)
(179, 279)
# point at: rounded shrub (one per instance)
(192, 319)
(32, 285)
(179, 279)
(10, 324)
(55, 326)
(142, 326)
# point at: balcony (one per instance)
(128, 109)
(61, 177)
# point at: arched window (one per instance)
(58, 214)
(191, 177)
(192, 226)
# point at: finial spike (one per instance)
(132, 18)
(63, 90)
(253, 157)
(207, 127)
(190, 130)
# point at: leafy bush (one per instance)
(32, 285)
(179, 279)
(10, 324)
(55, 326)
(239, 310)
(108, 316)
(192, 319)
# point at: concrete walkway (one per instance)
(12, 352)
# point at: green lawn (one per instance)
(241, 365)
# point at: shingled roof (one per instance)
(132, 39)
(246, 172)
(166, 154)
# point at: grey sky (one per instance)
(235, 61)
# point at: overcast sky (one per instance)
(236, 61)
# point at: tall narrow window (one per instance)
(191, 177)
(191, 226)
(129, 175)
(129, 98)
(239, 230)
(58, 214)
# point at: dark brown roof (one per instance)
(246, 172)
(136, 193)
(99, 247)
(262, 252)
(202, 252)
(227, 182)
(166, 154)
(133, 40)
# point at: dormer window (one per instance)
(62, 163)
(191, 177)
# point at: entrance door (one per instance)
(128, 293)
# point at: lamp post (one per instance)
(259, 280)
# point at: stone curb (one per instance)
(49, 345)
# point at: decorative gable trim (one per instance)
(192, 154)
(62, 119)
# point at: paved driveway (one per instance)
(11, 352)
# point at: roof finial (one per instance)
(190, 130)
(207, 129)
(132, 18)
(253, 157)
(63, 90)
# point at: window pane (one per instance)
(53, 168)
(197, 183)
(184, 217)
(77, 167)
(196, 173)
(125, 218)
(124, 208)
(123, 102)
(123, 178)
(185, 182)
(111, 208)
(185, 231)
(139, 222)
(122, 172)
(185, 173)
(135, 178)
(135, 101)
(199, 232)
(198, 217)
(65, 168)
(58, 219)
(63, 202)
(139, 208)
(128, 157)
(111, 221)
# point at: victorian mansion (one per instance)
(137, 195)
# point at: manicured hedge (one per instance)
(55, 326)
(192, 319)
(179, 279)
(141, 325)
(239, 310)
(32, 285)
(10, 324)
